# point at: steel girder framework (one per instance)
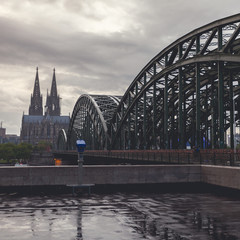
(90, 121)
(187, 94)
(62, 140)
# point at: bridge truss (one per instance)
(189, 94)
(90, 121)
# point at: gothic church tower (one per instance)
(35, 107)
(37, 126)
(52, 107)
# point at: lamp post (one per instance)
(80, 147)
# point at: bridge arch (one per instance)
(90, 121)
(62, 140)
(186, 95)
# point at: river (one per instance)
(119, 216)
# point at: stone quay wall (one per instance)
(224, 176)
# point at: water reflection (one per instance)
(79, 224)
(217, 231)
(120, 216)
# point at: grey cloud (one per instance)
(95, 63)
(87, 50)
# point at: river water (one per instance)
(119, 216)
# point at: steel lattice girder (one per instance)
(62, 140)
(187, 93)
(90, 120)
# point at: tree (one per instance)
(10, 151)
(7, 151)
(23, 151)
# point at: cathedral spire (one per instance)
(53, 100)
(36, 90)
(54, 85)
(35, 107)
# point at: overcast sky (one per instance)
(96, 46)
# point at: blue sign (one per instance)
(80, 145)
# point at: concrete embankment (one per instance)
(121, 174)
(118, 174)
(223, 176)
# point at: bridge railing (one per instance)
(226, 157)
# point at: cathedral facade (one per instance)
(43, 126)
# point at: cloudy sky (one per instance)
(96, 46)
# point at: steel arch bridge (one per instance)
(90, 121)
(188, 94)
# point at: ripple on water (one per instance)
(120, 216)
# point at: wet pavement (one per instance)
(120, 216)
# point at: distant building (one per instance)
(37, 127)
(2, 133)
(12, 138)
(7, 138)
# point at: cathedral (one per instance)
(38, 126)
